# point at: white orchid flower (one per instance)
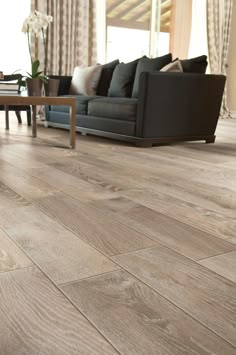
(37, 23)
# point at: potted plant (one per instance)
(37, 24)
(34, 80)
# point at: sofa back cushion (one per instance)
(122, 79)
(106, 76)
(147, 65)
(85, 80)
(195, 65)
(64, 85)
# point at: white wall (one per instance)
(198, 38)
(14, 48)
(231, 72)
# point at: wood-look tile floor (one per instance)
(113, 249)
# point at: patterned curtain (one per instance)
(219, 14)
(71, 37)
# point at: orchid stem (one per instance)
(28, 37)
(45, 52)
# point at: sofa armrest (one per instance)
(64, 85)
(178, 104)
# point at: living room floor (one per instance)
(113, 249)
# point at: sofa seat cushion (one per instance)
(113, 107)
(81, 105)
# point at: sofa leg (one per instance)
(210, 140)
(143, 144)
(83, 134)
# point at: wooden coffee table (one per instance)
(8, 100)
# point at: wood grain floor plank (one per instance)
(176, 235)
(204, 295)
(200, 152)
(11, 257)
(202, 194)
(139, 321)
(224, 265)
(51, 196)
(60, 254)
(24, 184)
(168, 182)
(94, 227)
(163, 164)
(9, 198)
(180, 186)
(71, 185)
(153, 163)
(41, 320)
(16, 159)
(232, 240)
(99, 173)
(188, 212)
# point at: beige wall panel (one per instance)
(231, 72)
(181, 28)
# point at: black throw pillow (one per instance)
(106, 76)
(147, 65)
(122, 79)
(195, 65)
(64, 85)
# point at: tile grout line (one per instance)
(36, 265)
(175, 305)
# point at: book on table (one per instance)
(9, 92)
(9, 86)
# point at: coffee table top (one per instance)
(14, 100)
(19, 99)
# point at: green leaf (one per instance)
(43, 78)
(35, 67)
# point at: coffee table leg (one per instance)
(7, 116)
(72, 126)
(34, 124)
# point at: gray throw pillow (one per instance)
(122, 79)
(147, 65)
(85, 80)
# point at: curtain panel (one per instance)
(219, 15)
(181, 17)
(71, 37)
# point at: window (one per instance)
(136, 28)
(14, 48)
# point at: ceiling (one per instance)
(136, 14)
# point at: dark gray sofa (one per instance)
(170, 107)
